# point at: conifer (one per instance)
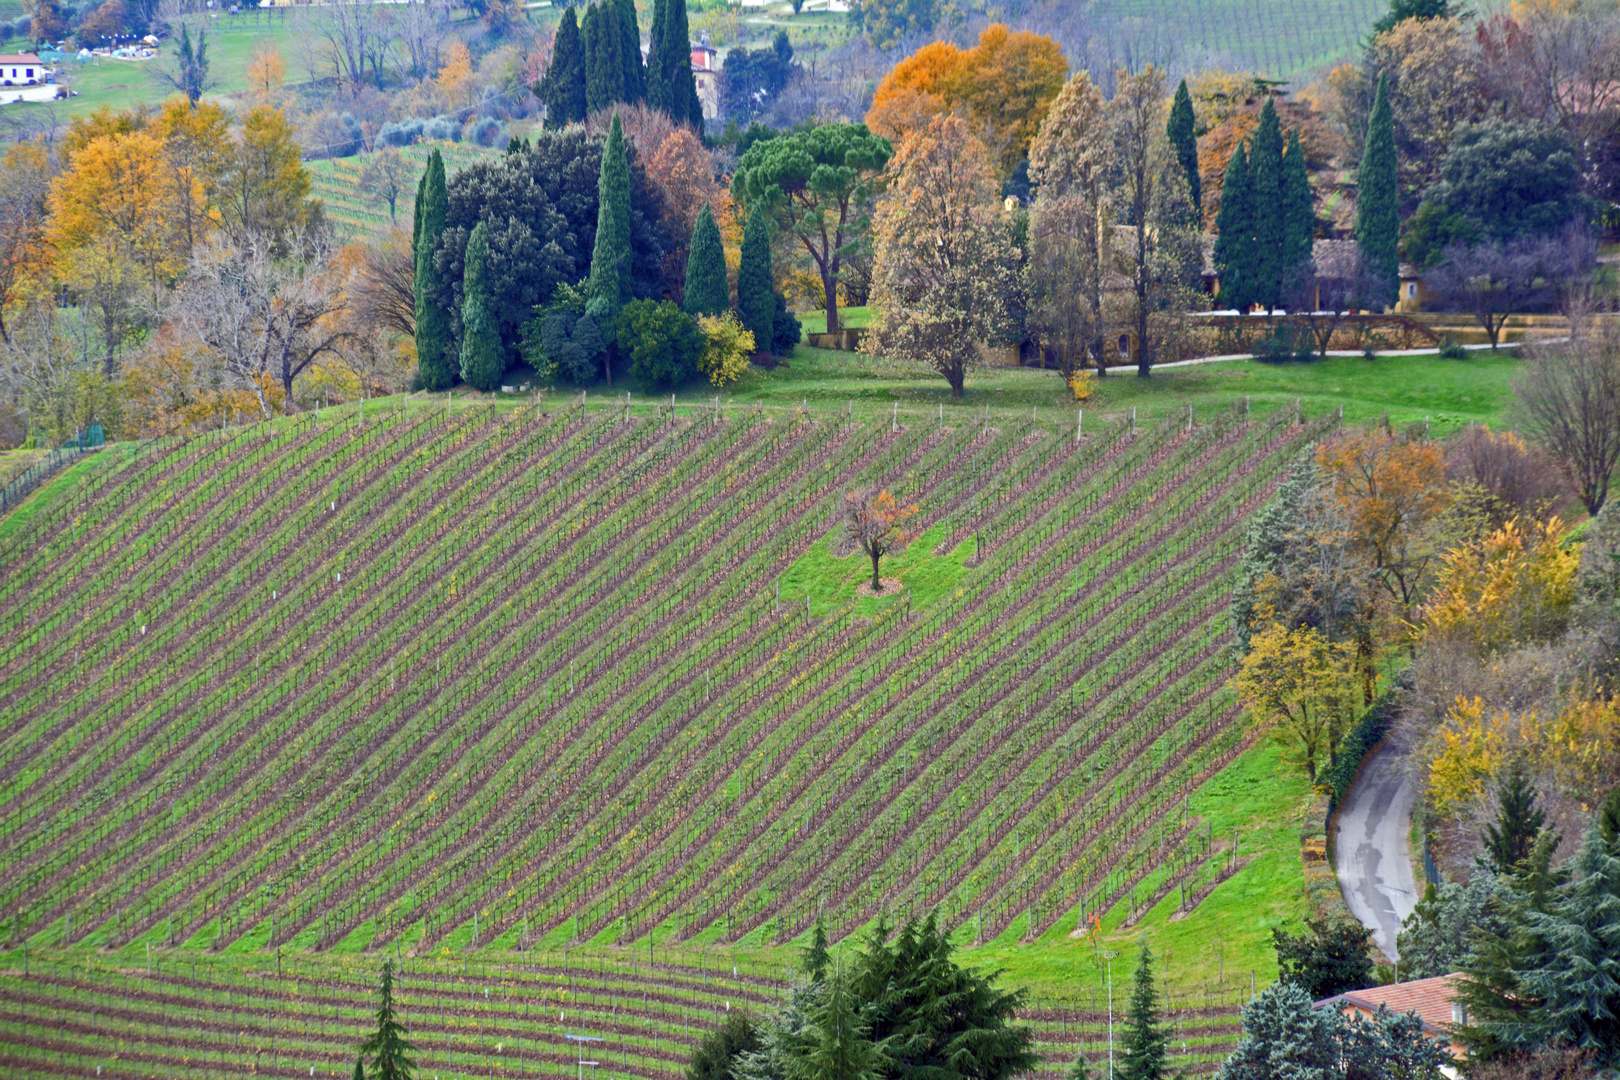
(610, 283)
(604, 61)
(1518, 822)
(1183, 133)
(815, 960)
(391, 1058)
(563, 87)
(1265, 194)
(706, 289)
(435, 365)
(756, 301)
(634, 78)
(1234, 244)
(1298, 208)
(1146, 1042)
(483, 359)
(1378, 218)
(670, 83)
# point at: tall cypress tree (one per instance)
(670, 83)
(563, 86)
(1265, 193)
(609, 288)
(635, 75)
(756, 301)
(1146, 1040)
(1378, 217)
(1234, 244)
(706, 290)
(483, 358)
(604, 58)
(416, 224)
(1298, 208)
(1183, 133)
(435, 365)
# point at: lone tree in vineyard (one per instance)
(878, 524)
(388, 1046)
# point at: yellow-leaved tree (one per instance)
(1515, 585)
(1304, 684)
(726, 348)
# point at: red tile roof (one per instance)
(19, 58)
(1429, 998)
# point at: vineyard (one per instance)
(336, 182)
(484, 687)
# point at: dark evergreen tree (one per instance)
(1283, 1036)
(1298, 210)
(706, 290)
(1437, 938)
(388, 1046)
(1401, 10)
(1146, 1043)
(416, 222)
(483, 357)
(786, 330)
(1378, 217)
(1183, 132)
(1608, 818)
(590, 345)
(814, 961)
(836, 1042)
(756, 302)
(634, 76)
(604, 56)
(1329, 958)
(435, 364)
(611, 285)
(662, 342)
(1234, 242)
(562, 88)
(1518, 821)
(716, 1055)
(359, 1069)
(1265, 194)
(670, 83)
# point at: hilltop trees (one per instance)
(562, 88)
(670, 83)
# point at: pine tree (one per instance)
(815, 960)
(435, 365)
(1265, 195)
(706, 289)
(483, 358)
(836, 1045)
(1283, 1036)
(1183, 132)
(359, 1069)
(1378, 217)
(1146, 1042)
(563, 86)
(670, 83)
(1298, 209)
(610, 284)
(634, 74)
(391, 1052)
(1517, 822)
(755, 299)
(1234, 242)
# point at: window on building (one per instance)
(1125, 346)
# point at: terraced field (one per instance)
(336, 182)
(501, 684)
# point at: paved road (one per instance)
(1375, 867)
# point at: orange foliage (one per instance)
(1216, 147)
(174, 387)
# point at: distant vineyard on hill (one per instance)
(1292, 41)
(337, 184)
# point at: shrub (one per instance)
(484, 132)
(662, 341)
(399, 133)
(1450, 350)
(442, 129)
(786, 330)
(727, 347)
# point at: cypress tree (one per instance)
(634, 75)
(604, 61)
(392, 1059)
(1183, 133)
(1518, 822)
(1234, 244)
(416, 224)
(1265, 195)
(670, 83)
(435, 366)
(756, 301)
(1378, 218)
(563, 87)
(483, 359)
(609, 287)
(1298, 208)
(1146, 1040)
(706, 290)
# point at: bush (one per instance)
(1450, 350)
(727, 347)
(399, 132)
(442, 129)
(786, 330)
(485, 132)
(1285, 344)
(662, 341)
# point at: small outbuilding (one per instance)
(21, 69)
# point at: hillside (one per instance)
(525, 681)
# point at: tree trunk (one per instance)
(829, 287)
(877, 582)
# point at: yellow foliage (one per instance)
(1080, 385)
(266, 70)
(1515, 585)
(727, 347)
(455, 75)
(1300, 681)
(1470, 752)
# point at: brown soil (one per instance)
(891, 585)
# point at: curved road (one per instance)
(1371, 842)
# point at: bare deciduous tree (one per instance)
(386, 176)
(879, 525)
(1570, 401)
(1063, 278)
(1489, 281)
(382, 293)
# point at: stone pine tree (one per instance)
(1378, 217)
(1265, 194)
(670, 83)
(1183, 133)
(435, 365)
(562, 88)
(706, 289)
(389, 1049)
(1234, 242)
(483, 358)
(1518, 822)
(1298, 209)
(634, 74)
(1146, 1041)
(756, 302)
(609, 288)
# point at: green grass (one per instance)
(831, 581)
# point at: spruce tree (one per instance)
(1265, 194)
(483, 358)
(706, 289)
(1378, 217)
(359, 1068)
(1146, 1042)
(1183, 132)
(815, 960)
(670, 83)
(563, 86)
(1298, 209)
(836, 1043)
(1518, 821)
(435, 365)
(634, 78)
(1283, 1036)
(610, 283)
(756, 301)
(1234, 242)
(388, 1046)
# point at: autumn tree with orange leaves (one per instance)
(879, 524)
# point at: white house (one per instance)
(21, 69)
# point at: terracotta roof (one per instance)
(19, 58)
(1429, 998)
